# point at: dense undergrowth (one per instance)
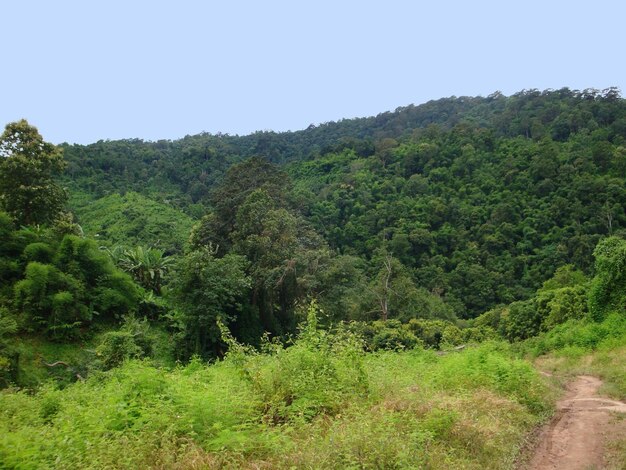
(320, 403)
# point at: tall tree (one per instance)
(240, 181)
(206, 291)
(28, 166)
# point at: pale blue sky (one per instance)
(88, 70)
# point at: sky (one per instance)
(83, 71)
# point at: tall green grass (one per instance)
(321, 403)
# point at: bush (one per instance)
(321, 403)
(607, 292)
(520, 320)
(585, 334)
(117, 346)
(389, 335)
(52, 301)
(436, 333)
(134, 340)
(57, 286)
(559, 305)
(319, 374)
(41, 252)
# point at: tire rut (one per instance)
(576, 437)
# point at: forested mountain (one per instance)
(478, 200)
(183, 171)
(438, 212)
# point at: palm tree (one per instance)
(148, 266)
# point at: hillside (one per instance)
(193, 164)
(480, 199)
(132, 219)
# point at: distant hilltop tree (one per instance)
(28, 166)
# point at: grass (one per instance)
(585, 347)
(320, 403)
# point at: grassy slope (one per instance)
(310, 406)
(585, 347)
(132, 219)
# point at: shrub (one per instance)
(38, 251)
(135, 339)
(520, 321)
(52, 301)
(559, 305)
(607, 292)
(117, 346)
(436, 333)
(319, 374)
(585, 334)
(390, 335)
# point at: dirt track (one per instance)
(577, 435)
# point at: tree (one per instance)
(271, 239)
(207, 290)
(239, 183)
(394, 295)
(28, 166)
(607, 292)
(148, 266)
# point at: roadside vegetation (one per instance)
(321, 402)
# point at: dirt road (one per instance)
(577, 436)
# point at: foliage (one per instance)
(391, 335)
(479, 199)
(148, 266)
(608, 288)
(318, 374)
(417, 333)
(585, 334)
(559, 305)
(562, 297)
(52, 300)
(132, 219)
(58, 286)
(521, 320)
(28, 166)
(286, 258)
(318, 404)
(116, 346)
(8, 326)
(242, 180)
(134, 340)
(206, 290)
(393, 293)
(429, 236)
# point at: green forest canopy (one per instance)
(480, 199)
(439, 212)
